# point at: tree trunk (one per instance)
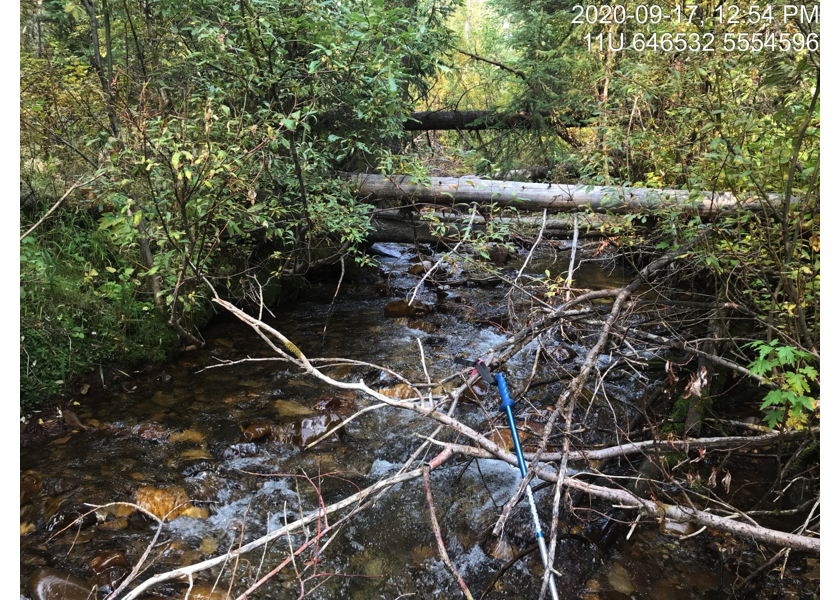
(551, 196)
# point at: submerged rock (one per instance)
(109, 569)
(420, 267)
(168, 503)
(152, 431)
(242, 450)
(30, 486)
(423, 326)
(289, 408)
(47, 583)
(188, 435)
(164, 399)
(401, 308)
(340, 401)
(560, 352)
(73, 518)
(306, 431)
(206, 591)
(255, 432)
(401, 391)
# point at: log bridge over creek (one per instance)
(404, 225)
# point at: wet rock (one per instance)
(168, 503)
(107, 560)
(420, 554)
(109, 569)
(242, 450)
(341, 401)
(401, 308)
(115, 524)
(47, 583)
(255, 432)
(559, 352)
(164, 377)
(193, 461)
(503, 438)
(306, 431)
(151, 431)
(500, 549)
(420, 268)
(383, 250)
(620, 580)
(188, 435)
(423, 326)
(289, 408)
(208, 486)
(401, 391)
(164, 399)
(30, 486)
(206, 591)
(209, 545)
(71, 519)
(26, 528)
(500, 254)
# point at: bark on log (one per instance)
(538, 196)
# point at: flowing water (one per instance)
(232, 437)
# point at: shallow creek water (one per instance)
(227, 434)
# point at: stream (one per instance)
(231, 440)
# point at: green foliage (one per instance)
(217, 129)
(78, 311)
(788, 368)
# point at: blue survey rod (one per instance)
(507, 406)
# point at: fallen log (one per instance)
(478, 120)
(551, 196)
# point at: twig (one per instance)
(436, 528)
(572, 259)
(59, 201)
(441, 259)
(312, 517)
(332, 304)
(534, 246)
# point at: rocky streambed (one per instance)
(220, 455)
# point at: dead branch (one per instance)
(357, 498)
(436, 528)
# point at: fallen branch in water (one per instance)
(299, 524)
(680, 514)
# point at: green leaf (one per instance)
(785, 354)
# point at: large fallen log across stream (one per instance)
(551, 196)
